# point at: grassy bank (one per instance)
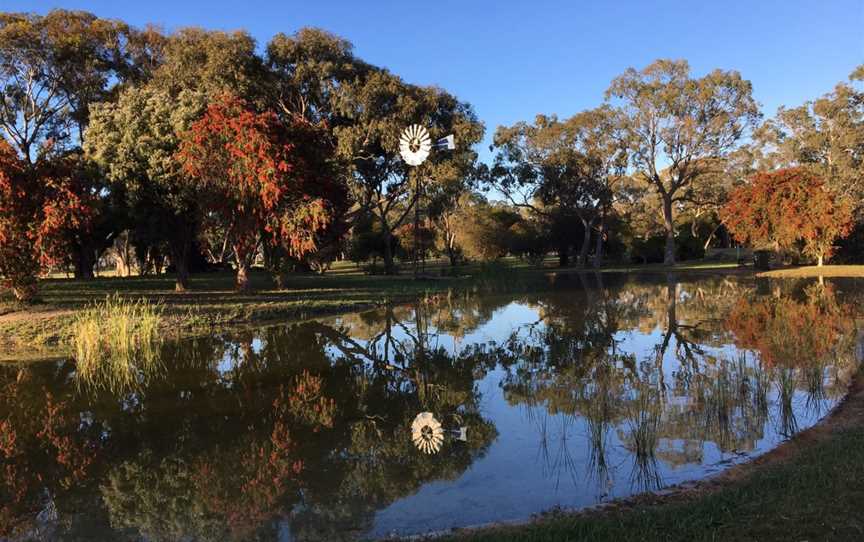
(807, 489)
(810, 271)
(39, 331)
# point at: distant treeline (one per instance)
(192, 149)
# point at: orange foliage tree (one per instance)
(782, 208)
(255, 180)
(37, 205)
(790, 332)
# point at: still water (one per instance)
(567, 393)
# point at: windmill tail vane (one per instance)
(448, 143)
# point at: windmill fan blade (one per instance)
(415, 145)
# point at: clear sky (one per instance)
(513, 59)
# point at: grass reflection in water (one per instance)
(307, 427)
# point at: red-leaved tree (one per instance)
(782, 208)
(37, 204)
(254, 181)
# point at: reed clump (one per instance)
(117, 343)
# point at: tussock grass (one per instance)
(116, 343)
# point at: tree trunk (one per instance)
(563, 257)
(669, 255)
(451, 254)
(710, 237)
(241, 284)
(181, 248)
(84, 264)
(181, 268)
(389, 267)
(819, 260)
(586, 243)
(598, 247)
(156, 260)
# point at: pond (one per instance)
(564, 393)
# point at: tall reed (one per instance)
(117, 343)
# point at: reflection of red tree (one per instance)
(251, 491)
(307, 404)
(71, 452)
(18, 484)
(51, 436)
(788, 332)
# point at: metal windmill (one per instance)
(415, 144)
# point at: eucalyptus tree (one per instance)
(825, 135)
(570, 167)
(599, 139)
(377, 107)
(308, 70)
(212, 63)
(678, 127)
(52, 68)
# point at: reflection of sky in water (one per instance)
(540, 400)
(540, 461)
(229, 361)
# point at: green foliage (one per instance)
(54, 67)
(375, 109)
(677, 128)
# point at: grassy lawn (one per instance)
(811, 488)
(814, 271)
(37, 330)
(43, 330)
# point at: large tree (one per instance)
(825, 135)
(558, 168)
(135, 140)
(52, 69)
(785, 207)
(308, 70)
(252, 179)
(377, 108)
(39, 203)
(211, 63)
(678, 126)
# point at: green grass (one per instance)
(116, 343)
(852, 271)
(812, 489)
(43, 329)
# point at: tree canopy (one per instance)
(783, 207)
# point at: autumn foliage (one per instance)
(37, 205)
(780, 209)
(790, 332)
(253, 176)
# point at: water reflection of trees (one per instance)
(304, 424)
(307, 425)
(693, 387)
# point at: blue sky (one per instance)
(514, 59)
